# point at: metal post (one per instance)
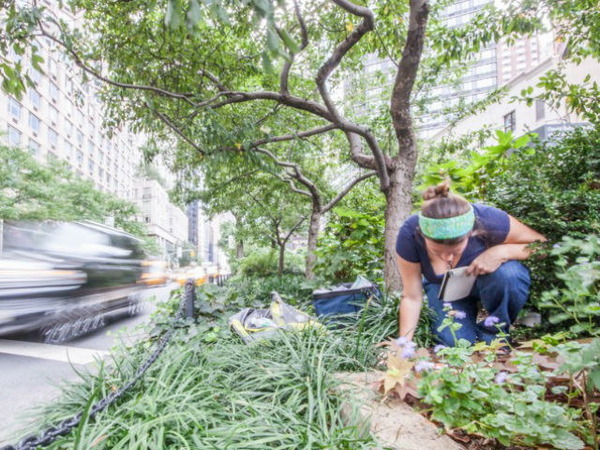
(190, 299)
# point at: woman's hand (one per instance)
(488, 261)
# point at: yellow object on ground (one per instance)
(253, 324)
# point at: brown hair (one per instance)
(440, 204)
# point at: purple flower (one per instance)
(408, 352)
(500, 377)
(460, 314)
(490, 321)
(423, 366)
(447, 305)
(402, 341)
(438, 347)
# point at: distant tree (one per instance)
(33, 191)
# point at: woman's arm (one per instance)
(514, 247)
(412, 296)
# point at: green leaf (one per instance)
(565, 440)
(174, 15)
(263, 7)
(267, 64)
(290, 43)
(36, 61)
(221, 14)
(194, 14)
(272, 40)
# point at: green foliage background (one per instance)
(33, 191)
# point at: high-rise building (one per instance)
(165, 222)
(492, 67)
(61, 118)
(479, 78)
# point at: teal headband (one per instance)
(448, 228)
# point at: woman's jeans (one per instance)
(502, 293)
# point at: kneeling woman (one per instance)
(450, 232)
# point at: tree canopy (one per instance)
(231, 78)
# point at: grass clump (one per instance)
(273, 394)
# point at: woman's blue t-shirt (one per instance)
(492, 225)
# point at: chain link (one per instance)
(51, 433)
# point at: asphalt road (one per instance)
(31, 373)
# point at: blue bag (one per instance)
(344, 302)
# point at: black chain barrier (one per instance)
(52, 433)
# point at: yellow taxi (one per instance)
(154, 272)
(195, 273)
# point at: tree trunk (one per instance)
(239, 249)
(313, 234)
(280, 266)
(398, 208)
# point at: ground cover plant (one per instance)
(220, 393)
(485, 399)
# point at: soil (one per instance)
(394, 423)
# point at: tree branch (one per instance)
(169, 123)
(285, 99)
(291, 137)
(293, 186)
(95, 74)
(298, 175)
(285, 72)
(294, 228)
(340, 51)
(345, 191)
(379, 160)
(214, 79)
(405, 78)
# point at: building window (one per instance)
(69, 86)
(90, 145)
(34, 147)
(35, 98)
(52, 137)
(68, 149)
(79, 116)
(53, 89)
(510, 123)
(52, 67)
(68, 128)
(53, 113)
(80, 158)
(35, 75)
(14, 109)
(540, 110)
(34, 123)
(79, 138)
(14, 137)
(91, 167)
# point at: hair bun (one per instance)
(441, 190)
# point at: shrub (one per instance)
(555, 189)
(263, 262)
(256, 291)
(351, 245)
(576, 299)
